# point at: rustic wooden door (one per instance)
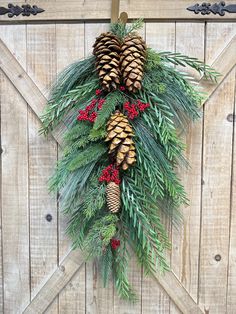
(39, 272)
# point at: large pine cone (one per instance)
(133, 55)
(120, 133)
(113, 197)
(107, 51)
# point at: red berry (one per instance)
(98, 92)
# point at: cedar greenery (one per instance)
(148, 188)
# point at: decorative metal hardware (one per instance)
(25, 10)
(216, 8)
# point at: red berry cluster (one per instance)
(115, 243)
(110, 174)
(134, 109)
(90, 112)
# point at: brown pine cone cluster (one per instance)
(113, 197)
(107, 51)
(120, 133)
(116, 61)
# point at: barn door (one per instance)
(39, 272)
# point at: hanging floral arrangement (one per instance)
(124, 108)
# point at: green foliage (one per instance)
(88, 155)
(100, 235)
(121, 29)
(183, 60)
(113, 100)
(121, 280)
(148, 188)
(75, 86)
(106, 265)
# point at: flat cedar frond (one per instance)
(123, 110)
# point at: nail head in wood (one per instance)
(49, 217)
(217, 257)
(231, 117)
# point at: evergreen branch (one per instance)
(121, 30)
(106, 265)
(100, 235)
(88, 155)
(141, 229)
(112, 101)
(58, 107)
(120, 267)
(183, 60)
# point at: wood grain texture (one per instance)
(185, 242)
(217, 157)
(57, 280)
(41, 66)
(15, 215)
(69, 48)
(101, 9)
(231, 286)
(15, 211)
(161, 37)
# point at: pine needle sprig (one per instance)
(183, 60)
(106, 265)
(121, 30)
(90, 154)
(120, 267)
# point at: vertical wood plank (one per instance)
(15, 219)
(41, 65)
(41, 55)
(161, 37)
(231, 287)
(70, 47)
(217, 157)
(14, 37)
(185, 242)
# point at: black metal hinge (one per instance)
(216, 8)
(25, 10)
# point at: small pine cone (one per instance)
(120, 133)
(107, 51)
(133, 56)
(113, 197)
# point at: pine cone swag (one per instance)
(113, 197)
(107, 51)
(133, 56)
(120, 133)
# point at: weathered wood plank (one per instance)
(73, 262)
(69, 48)
(101, 9)
(231, 286)
(161, 37)
(224, 63)
(185, 242)
(55, 283)
(42, 159)
(15, 211)
(23, 83)
(15, 216)
(217, 157)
